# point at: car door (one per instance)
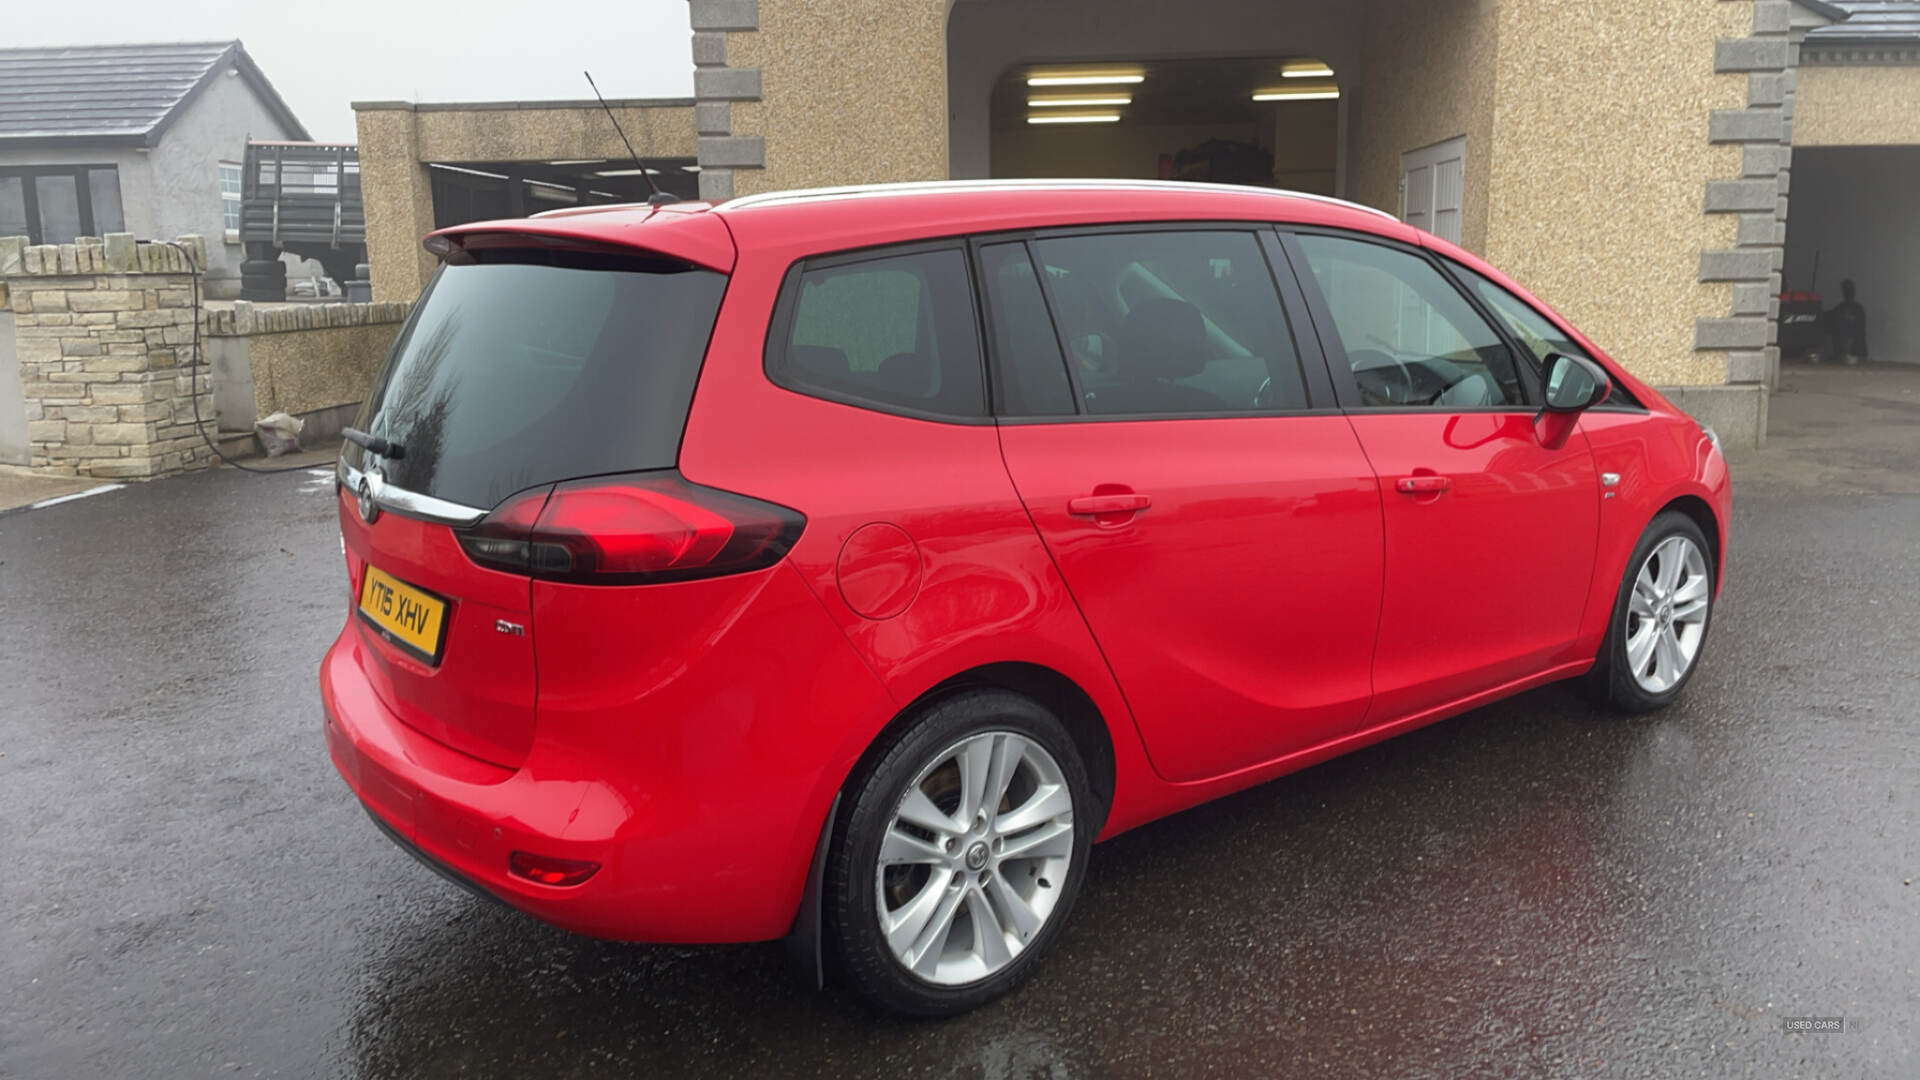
(1211, 514)
(1491, 514)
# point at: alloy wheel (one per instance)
(975, 858)
(1667, 614)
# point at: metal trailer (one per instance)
(302, 198)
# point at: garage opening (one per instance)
(1384, 102)
(1269, 121)
(470, 191)
(1855, 217)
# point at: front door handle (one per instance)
(1096, 505)
(1109, 508)
(1423, 485)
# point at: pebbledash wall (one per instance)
(1629, 160)
(103, 379)
(313, 361)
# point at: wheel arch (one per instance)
(1701, 512)
(1051, 688)
(1061, 695)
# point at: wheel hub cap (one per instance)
(974, 861)
(1667, 614)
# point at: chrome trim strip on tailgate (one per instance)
(406, 503)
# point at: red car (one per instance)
(839, 565)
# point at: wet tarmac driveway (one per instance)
(1534, 889)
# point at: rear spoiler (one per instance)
(698, 238)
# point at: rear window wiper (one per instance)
(393, 451)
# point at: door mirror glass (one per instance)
(1575, 383)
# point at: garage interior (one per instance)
(1385, 102)
(1267, 121)
(1855, 216)
(485, 190)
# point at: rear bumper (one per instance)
(461, 816)
(701, 798)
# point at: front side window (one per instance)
(1410, 337)
(230, 198)
(1172, 322)
(893, 333)
(1533, 329)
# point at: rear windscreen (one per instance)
(535, 366)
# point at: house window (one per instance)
(52, 204)
(230, 198)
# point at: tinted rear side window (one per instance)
(895, 333)
(535, 367)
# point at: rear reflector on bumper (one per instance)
(548, 870)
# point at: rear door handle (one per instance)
(1423, 485)
(1101, 505)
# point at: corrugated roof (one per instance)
(116, 94)
(1877, 21)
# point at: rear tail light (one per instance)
(638, 528)
(548, 870)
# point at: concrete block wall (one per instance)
(104, 331)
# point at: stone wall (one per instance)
(103, 336)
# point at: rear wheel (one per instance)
(1660, 617)
(961, 855)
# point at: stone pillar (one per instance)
(1748, 333)
(104, 334)
(716, 86)
(398, 196)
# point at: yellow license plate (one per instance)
(412, 619)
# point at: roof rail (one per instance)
(774, 198)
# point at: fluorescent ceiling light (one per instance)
(689, 168)
(582, 161)
(1086, 78)
(1073, 118)
(1305, 69)
(627, 172)
(1061, 101)
(1298, 93)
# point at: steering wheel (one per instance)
(1383, 378)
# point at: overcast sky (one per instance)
(323, 56)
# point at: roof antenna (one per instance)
(655, 197)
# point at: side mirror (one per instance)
(1575, 383)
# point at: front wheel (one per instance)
(961, 855)
(1660, 618)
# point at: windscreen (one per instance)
(525, 367)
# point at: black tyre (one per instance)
(959, 854)
(1658, 628)
(263, 268)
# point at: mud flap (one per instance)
(805, 955)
